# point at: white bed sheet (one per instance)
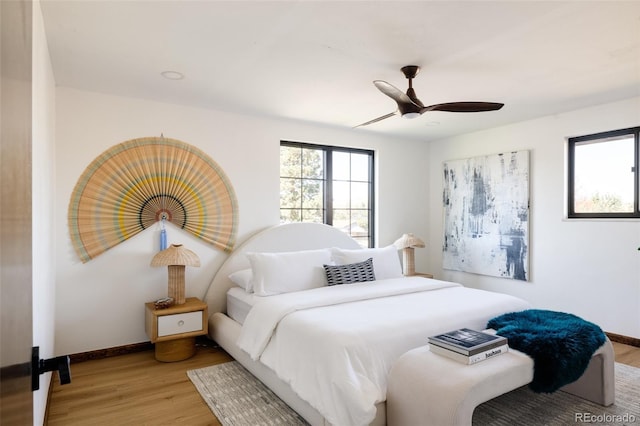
(239, 303)
(336, 354)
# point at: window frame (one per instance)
(327, 195)
(571, 146)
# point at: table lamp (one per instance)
(407, 243)
(176, 257)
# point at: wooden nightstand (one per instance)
(420, 274)
(174, 329)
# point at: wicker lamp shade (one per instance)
(408, 240)
(137, 183)
(407, 243)
(176, 254)
(175, 258)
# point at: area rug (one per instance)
(524, 407)
(239, 399)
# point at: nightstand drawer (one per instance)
(179, 323)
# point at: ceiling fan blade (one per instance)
(463, 107)
(375, 120)
(393, 92)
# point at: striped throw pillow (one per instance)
(351, 273)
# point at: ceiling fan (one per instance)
(409, 106)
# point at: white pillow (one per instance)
(283, 272)
(242, 279)
(386, 261)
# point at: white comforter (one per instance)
(335, 345)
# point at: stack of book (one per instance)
(468, 346)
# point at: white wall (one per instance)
(43, 193)
(100, 304)
(586, 267)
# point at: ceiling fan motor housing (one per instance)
(408, 110)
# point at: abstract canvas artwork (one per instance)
(486, 215)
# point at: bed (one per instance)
(327, 350)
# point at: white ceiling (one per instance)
(315, 61)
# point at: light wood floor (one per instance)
(135, 389)
(626, 354)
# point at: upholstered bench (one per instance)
(429, 389)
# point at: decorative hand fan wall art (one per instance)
(137, 183)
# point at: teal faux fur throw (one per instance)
(560, 344)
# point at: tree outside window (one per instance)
(327, 184)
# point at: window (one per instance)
(603, 175)
(327, 184)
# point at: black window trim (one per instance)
(571, 214)
(328, 187)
